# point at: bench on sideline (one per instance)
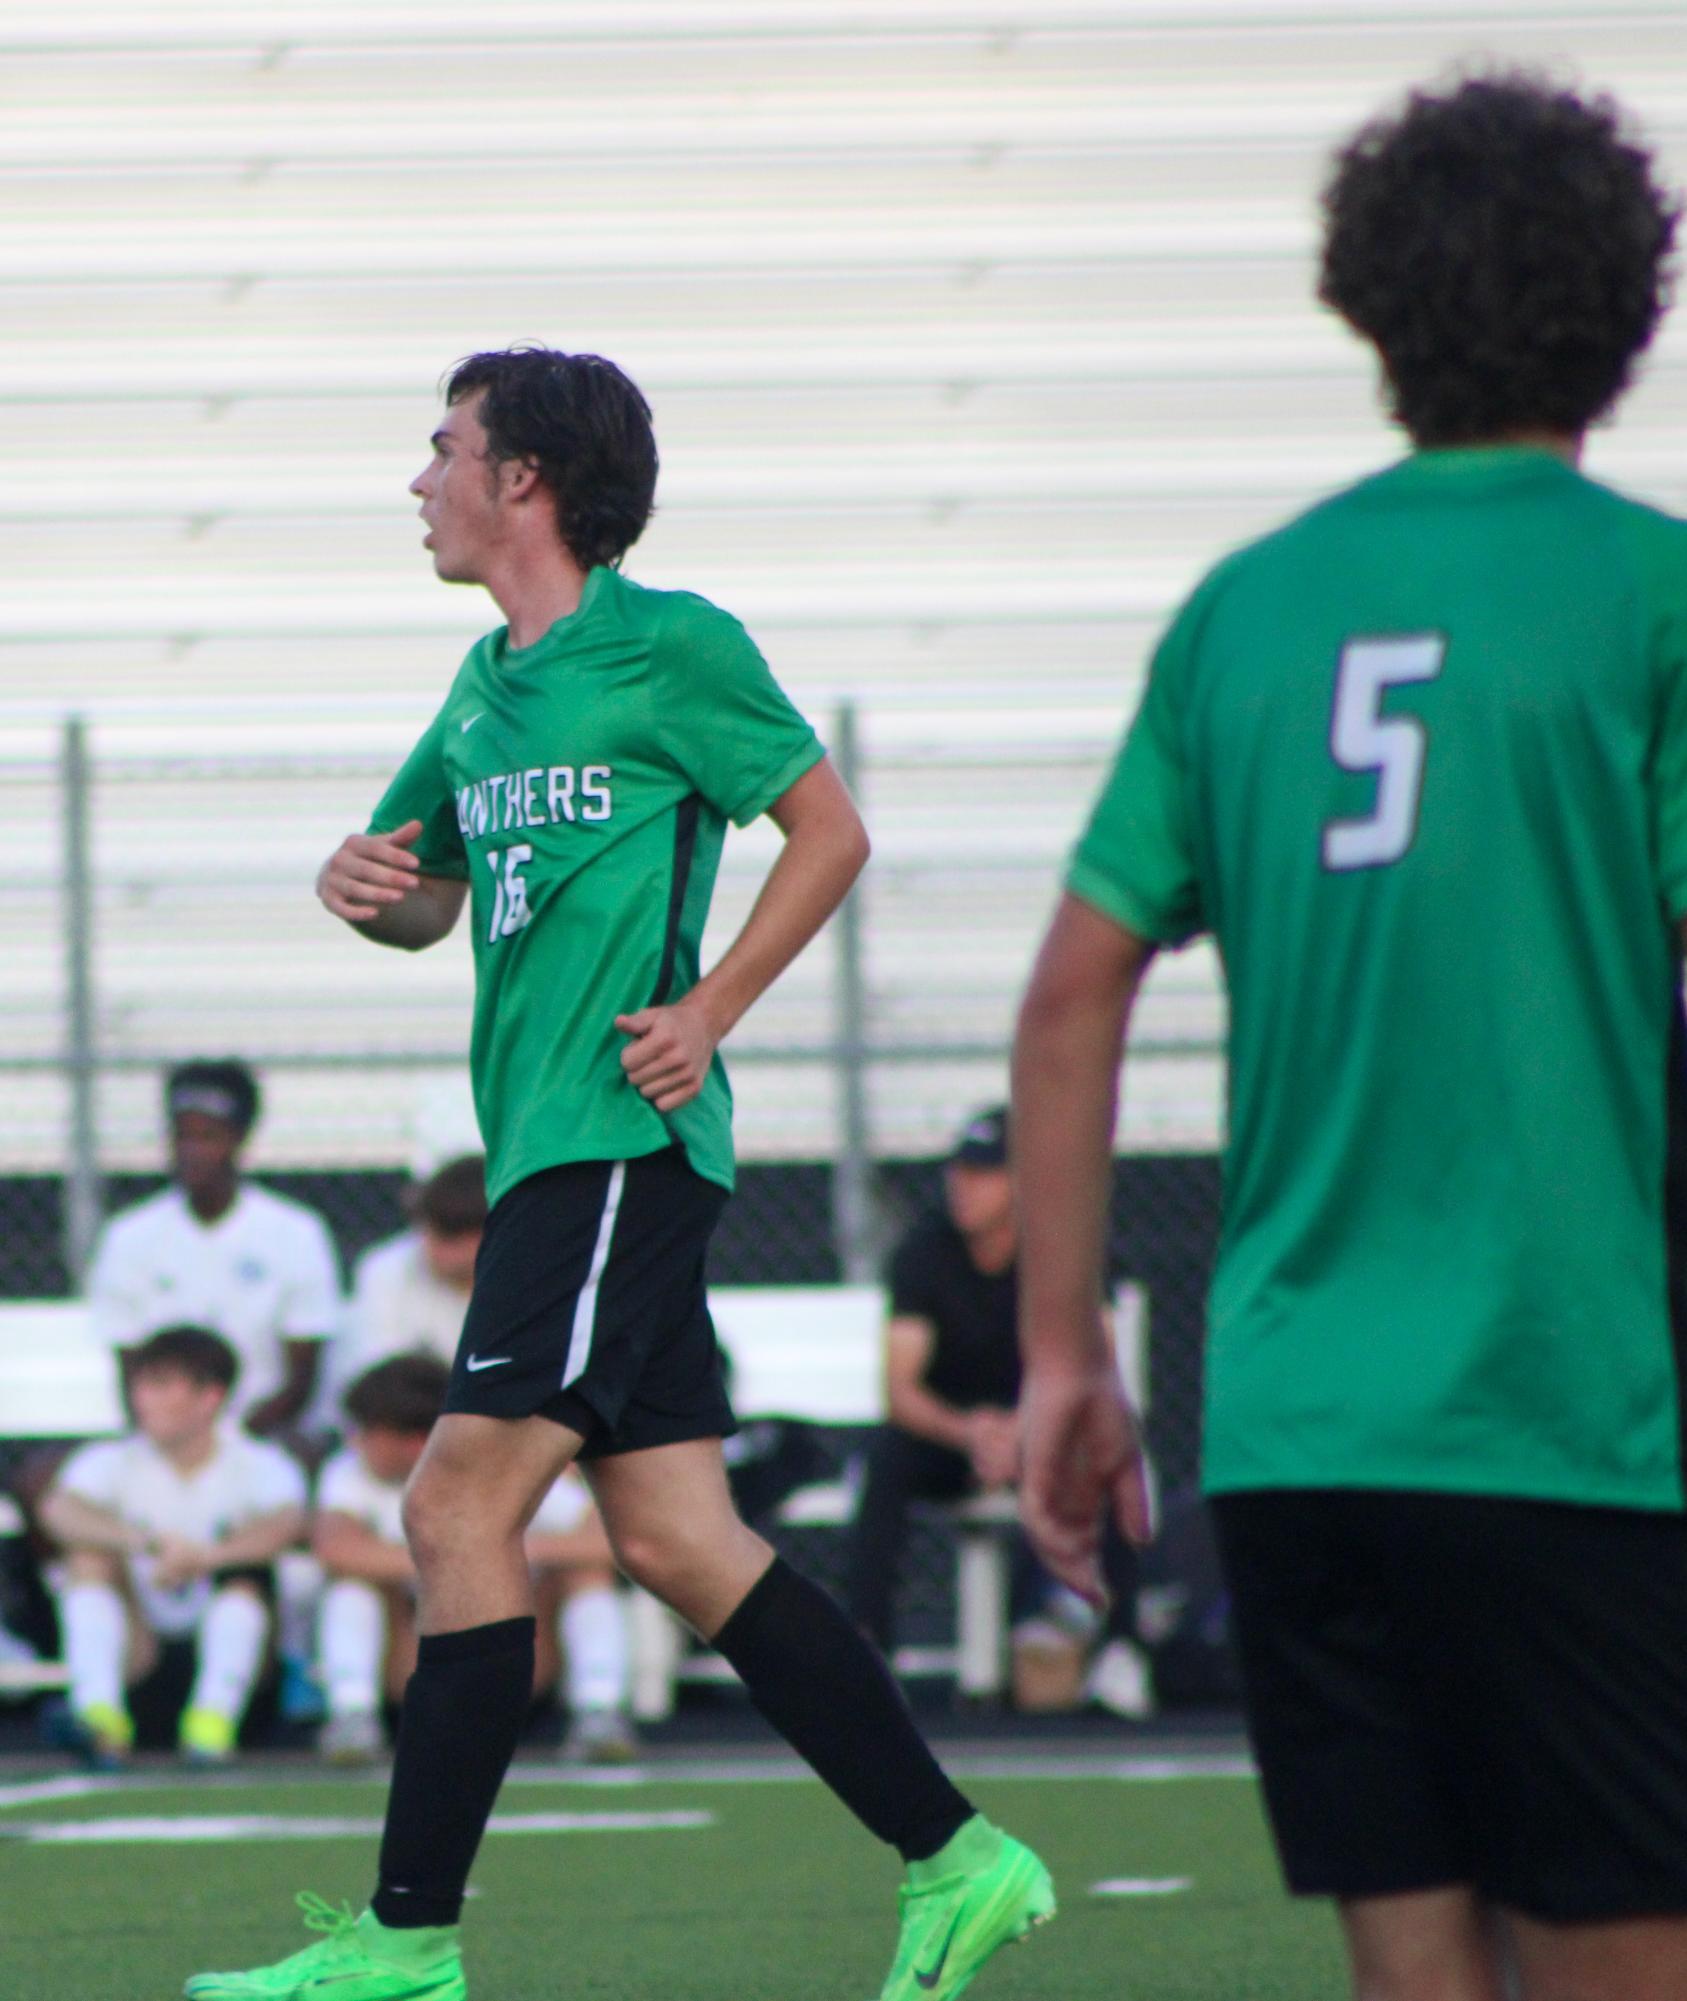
(808, 1352)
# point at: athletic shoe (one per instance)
(300, 1698)
(102, 1735)
(982, 1891)
(1119, 1680)
(356, 1959)
(206, 1736)
(352, 1739)
(600, 1737)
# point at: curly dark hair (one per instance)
(584, 425)
(1506, 246)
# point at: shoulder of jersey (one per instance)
(284, 1209)
(387, 1260)
(344, 1469)
(649, 604)
(140, 1216)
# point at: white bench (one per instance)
(816, 1352)
(808, 1352)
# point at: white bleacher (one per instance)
(973, 334)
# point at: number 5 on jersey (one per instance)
(510, 908)
(1362, 738)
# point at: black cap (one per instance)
(983, 1141)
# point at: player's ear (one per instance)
(519, 478)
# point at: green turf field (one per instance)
(748, 1891)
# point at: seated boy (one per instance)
(368, 1632)
(170, 1533)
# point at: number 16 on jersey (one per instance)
(1362, 738)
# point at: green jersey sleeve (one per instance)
(1668, 773)
(421, 791)
(721, 716)
(1136, 861)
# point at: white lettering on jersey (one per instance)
(545, 796)
(594, 792)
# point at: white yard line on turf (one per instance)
(74, 1786)
(1129, 1769)
(289, 1827)
(782, 1770)
(1142, 1886)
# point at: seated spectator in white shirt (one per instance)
(409, 1293)
(214, 1250)
(171, 1533)
(368, 1632)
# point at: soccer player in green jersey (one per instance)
(1418, 763)
(573, 794)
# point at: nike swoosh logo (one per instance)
(929, 1980)
(469, 725)
(474, 1364)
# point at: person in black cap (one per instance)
(214, 1248)
(951, 1362)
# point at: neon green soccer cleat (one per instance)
(206, 1736)
(983, 1890)
(356, 1959)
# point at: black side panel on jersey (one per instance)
(685, 845)
(1675, 1210)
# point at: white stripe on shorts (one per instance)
(585, 1307)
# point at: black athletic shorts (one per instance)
(589, 1306)
(1448, 1689)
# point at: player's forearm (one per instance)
(77, 1524)
(825, 849)
(356, 1552)
(568, 1549)
(259, 1541)
(426, 915)
(279, 1410)
(1065, 1090)
(911, 1407)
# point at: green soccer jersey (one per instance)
(1418, 762)
(582, 787)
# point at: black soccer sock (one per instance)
(831, 1697)
(463, 1711)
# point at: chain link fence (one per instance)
(159, 907)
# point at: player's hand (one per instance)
(367, 872)
(1082, 1456)
(177, 1561)
(993, 1446)
(669, 1055)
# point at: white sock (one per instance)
(299, 1583)
(593, 1631)
(353, 1644)
(96, 1637)
(231, 1650)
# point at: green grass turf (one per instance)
(782, 1899)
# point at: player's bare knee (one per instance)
(93, 1566)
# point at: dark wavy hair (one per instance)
(199, 1354)
(587, 429)
(403, 1393)
(1506, 245)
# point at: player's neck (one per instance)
(994, 1248)
(211, 1202)
(534, 587)
(187, 1455)
(1565, 445)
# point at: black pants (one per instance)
(903, 1469)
